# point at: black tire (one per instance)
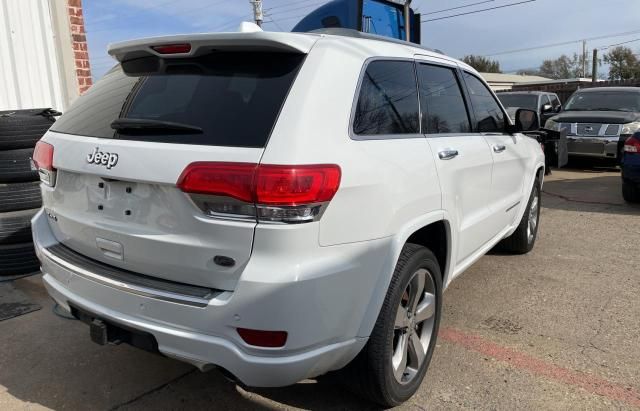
(20, 196)
(630, 192)
(520, 242)
(18, 259)
(23, 128)
(371, 373)
(15, 227)
(15, 166)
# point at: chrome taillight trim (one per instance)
(257, 213)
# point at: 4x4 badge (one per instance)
(101, 158)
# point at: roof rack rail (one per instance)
(338, 31)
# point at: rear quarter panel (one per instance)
(385, 183)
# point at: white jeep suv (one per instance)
(281, 205)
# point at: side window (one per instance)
(441, 101)
(555, 101)
(544, 100)
(388, 100)
(489, 115)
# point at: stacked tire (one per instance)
(19, 188)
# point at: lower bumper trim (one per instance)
(127, 281)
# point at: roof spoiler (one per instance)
(193, 45)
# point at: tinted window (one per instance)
(519, 100)
(231, 98)
(388, 100)
(555, 101)
(604, 100)
(443, 108)
(544, 99)
(489, 115)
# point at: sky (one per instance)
(523, 27)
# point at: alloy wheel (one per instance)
(414, 326)
(534, 210)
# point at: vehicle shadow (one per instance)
(587, 190)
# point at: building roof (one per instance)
(618, 89)
(511, 78)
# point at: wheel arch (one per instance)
(427, 230)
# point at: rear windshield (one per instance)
(519, 100)
(232, 99)
(604, 101)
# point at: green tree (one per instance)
(624, 64)
(482, 64)
(566, 67)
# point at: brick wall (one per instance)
(79, 39)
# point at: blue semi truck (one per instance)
(393, 19)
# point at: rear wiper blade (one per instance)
(143, 125)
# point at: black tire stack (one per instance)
(19, 188)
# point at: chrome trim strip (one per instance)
(512, 207)
(129, 288)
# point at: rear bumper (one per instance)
(631, 168)
(322, 314)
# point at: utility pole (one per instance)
(407, 17)
(594, 75)
(257, 11)
(584, 58)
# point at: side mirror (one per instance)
(547, 108)
(526, 120)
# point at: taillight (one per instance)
(173, 48)
(43, 162)
(632, 145)
(277, 193)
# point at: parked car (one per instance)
(281, 205)
(545, 104)
(599, 120)
(631, 169)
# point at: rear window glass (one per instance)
(528, 101)
(388, 101)
(234, 98)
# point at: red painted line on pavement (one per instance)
(590, 383)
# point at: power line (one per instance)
(618, 44)
(564, 43)
(459, 7)
(291, 3)
(478, 11)
(294, 9)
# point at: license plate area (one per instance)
(104, 332)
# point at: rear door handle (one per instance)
(447, 154)
(499, 148)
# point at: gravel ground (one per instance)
(556, 329)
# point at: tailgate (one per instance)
(121, 148)
(134, 217)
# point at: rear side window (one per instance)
(441, 101)
(388, 100)
(234, 98)
(489, 115)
